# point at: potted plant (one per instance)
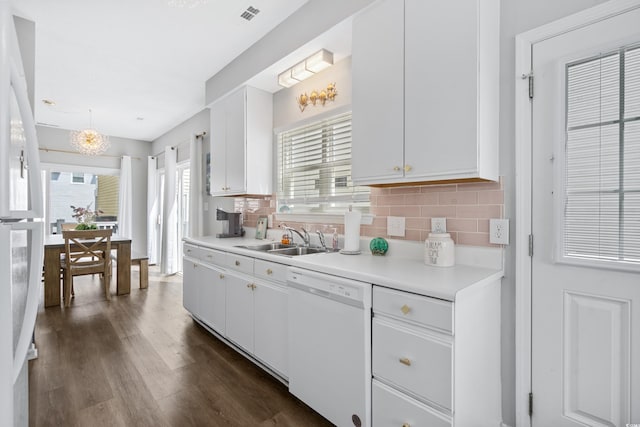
(86, 217)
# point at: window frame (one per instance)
(333, 216)
(559, 158)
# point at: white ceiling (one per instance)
(131, 59)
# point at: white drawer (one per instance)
(414, 360)
(427, 311)
(210, 256)
(392, 408)
(240, 263)
(270, 270)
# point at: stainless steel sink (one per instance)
(267, 246)
(277, 248)
(299, 250)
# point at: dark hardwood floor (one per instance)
(140, 360)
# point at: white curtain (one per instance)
(195, 186)
(125, 200)
(169, 258)
(152, 210)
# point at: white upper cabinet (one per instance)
(425, 91)
(241, 143)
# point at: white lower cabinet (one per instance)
(435, 362)
(191, 286)
(239, 304)
(270, 342)
(212, 305)
(222, 291)
(414, 360)
(204, 289)
(393, 408)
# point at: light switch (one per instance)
(395, 226)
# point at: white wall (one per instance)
(197, 124)
(58, 139)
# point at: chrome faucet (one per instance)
(304, 237)
(321, 238)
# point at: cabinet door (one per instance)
(271, 330)
(378, 94)
(218, 183)
(239, 316)
(236, 142)
(213, 298)
(191, 286)
(441, 92)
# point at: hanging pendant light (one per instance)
(89, 141)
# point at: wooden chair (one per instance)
(86, 252)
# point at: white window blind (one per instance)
(314, 165)
(602, 158)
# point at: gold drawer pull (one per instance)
(405, 361)
(249, 285)
(407, 168)
(222, 276)
(237, 263)
(405, 309)
(269, 271)
(396, 168)
(406, 425)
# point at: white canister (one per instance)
(439, 250)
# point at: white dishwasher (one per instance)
(330, 345)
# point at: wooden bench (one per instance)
(143, 262)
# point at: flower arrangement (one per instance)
(85, 217)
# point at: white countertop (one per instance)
(406, 271)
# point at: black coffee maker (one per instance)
(233, 227)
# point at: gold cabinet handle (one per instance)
(396, 168)
(249, 285)
(269, 271)
(406, 425)
(237, 263)
(222, 276)
(405, 309)
(407, 168)
(405, 361)
(253, 287)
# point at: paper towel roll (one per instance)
(352, 231)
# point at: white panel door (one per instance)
(239, 310)
(213, 298)
(191, 286)
(236, 141)
(271, 327)
(585, 318)
(378, 67)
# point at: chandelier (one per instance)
(186, 3)
(89, 141)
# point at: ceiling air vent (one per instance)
(250, 13)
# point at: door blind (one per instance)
(314, 164)
(602, 158)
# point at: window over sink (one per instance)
(314, 169)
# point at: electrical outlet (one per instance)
(439, 225)
(499, 231)
(395, 226)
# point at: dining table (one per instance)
(54, 246)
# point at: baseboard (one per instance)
(504, 425)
